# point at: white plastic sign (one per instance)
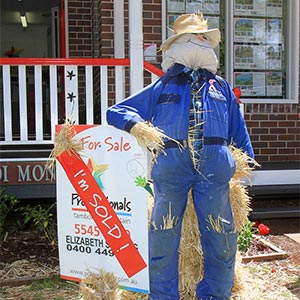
(119, 166)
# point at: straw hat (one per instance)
(192, 23)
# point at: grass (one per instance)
(47, 289)
(260, 281)
(263, 284)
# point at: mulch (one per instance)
(28, 256)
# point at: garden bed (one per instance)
(261, 249)
(27, 256)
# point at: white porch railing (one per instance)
(37, 94)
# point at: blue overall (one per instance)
(166, 103)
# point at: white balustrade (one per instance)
(37, 94)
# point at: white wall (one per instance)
(33, 40)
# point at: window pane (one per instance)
(258, 45)
(258, 48)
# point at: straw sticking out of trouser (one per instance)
(168, 220)
(216, 224)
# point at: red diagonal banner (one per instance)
(103, 214)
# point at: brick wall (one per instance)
(106, 28)
(80, 28)
(274, 131)
(152, 32)
(152, 23)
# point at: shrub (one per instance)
(7, 205)
(43, 218)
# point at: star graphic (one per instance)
(71, 74)
(71, 96)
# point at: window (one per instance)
(259, 51)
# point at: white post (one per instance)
(38, 93)
(136, 45)
(7, 103)
(23, 103)
(119, 49)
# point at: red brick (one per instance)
(278, 117)
(293, 130)
(107, 20)
(278, 158)
(294, 144)
(72, 10)
(269, 124)
(75, 16)
(84, 11)
(259, 131)
(254, 137)
(84, 35)
(147, 14)
(259, 145)
(278, 130)
(85, 47)
(151, 7)
(286, 151)
(107, 13)
(107, 28)
(259, 117)
(286, 124)
(277, 144)
(74, 29)
(106, 5)
(268, 151)
(295, 158)
(269, 137)
(289, 137)
(260, 158)
(75, 4)
(147, 30)
(152, 22)
(107, 36)
(252, 123)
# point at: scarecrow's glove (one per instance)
(148, 137)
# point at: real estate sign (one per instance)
(102, 208)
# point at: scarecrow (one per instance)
(187, 119)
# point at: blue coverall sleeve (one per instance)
(136, 108)
(238, 132)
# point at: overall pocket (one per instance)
(217, 163)
(166, 109)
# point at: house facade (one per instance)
(105, 43)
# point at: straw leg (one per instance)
(216, 224)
